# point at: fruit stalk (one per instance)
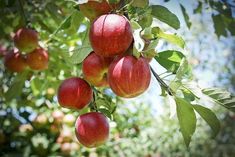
(93, 106)
(162, 83)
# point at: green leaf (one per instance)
(140, 3)
(76, 21)
(147, 33)
(170, 59)
(79, 55)
(209, 117)
(145, 20)
(199, 8)
(164, 15)
(220, 28)
(183, 69)
(188, 95)
(112, 1)
(186, 17)
(221, 97)
(105, 112)
(16, 86)
(82, 52)
(194, 89)
(35, 85)
(172, 38)
(187, 119)
(64, 25)
(231, 27)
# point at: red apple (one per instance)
(15, 61)
(38, 59)
(95, 69)
(74, 93)
(128, 76)
(26, 40)
(110, 35)
(92, 129)
(92, 9)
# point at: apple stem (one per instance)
(162, 83)
(22, 12)
(94, 104)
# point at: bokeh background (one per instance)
(33, 124)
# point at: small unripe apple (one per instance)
(55, 129)
(69, 119)
(15, 61)
(40, 121)
(110, 35)
(26, 40)
(74, 93)
(57, 116)
(128, 76)
(95, 69)
(38, 59)
(74, 146)
(25, 128)
(66, 148)
(92, 9)
(92, 129)
(66, 135)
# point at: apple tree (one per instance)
(67, 59)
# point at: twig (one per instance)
(22, 12)
(162, 83)
(94, 104)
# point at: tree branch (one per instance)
(162, 83)
(22, 12)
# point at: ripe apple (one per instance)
(38, 59)
(110, 35)
(128, 76)
(95, 69)
(26, 40)
(74, 93)
(15, 61)
(92, 129)
(92, 9)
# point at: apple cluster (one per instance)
(110, 64)
(27, 52)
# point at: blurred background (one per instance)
(33, 124)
